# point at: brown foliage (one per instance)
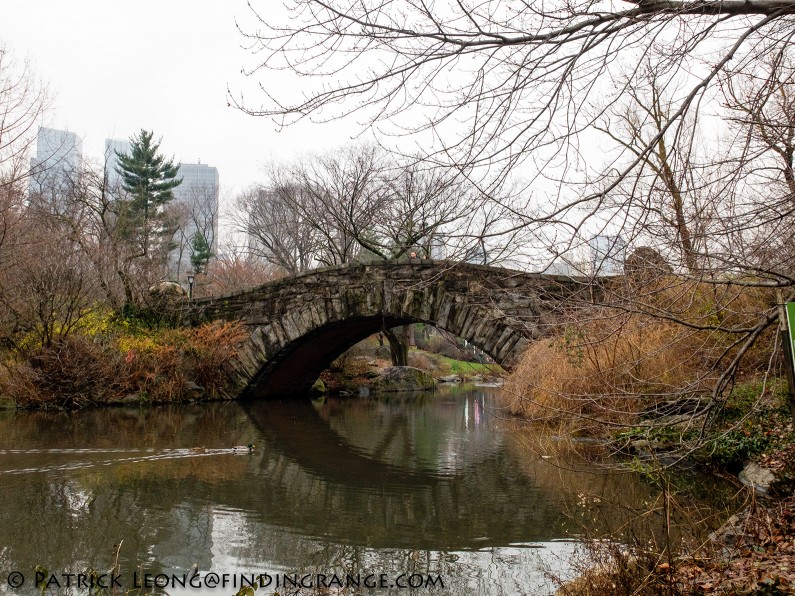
(759, 560)
(233, 272)
(607, 364)
(79, 370)
(210, 348)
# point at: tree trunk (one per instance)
(128, 292)
(399, 344)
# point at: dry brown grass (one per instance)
(608, 363)
(83, 370)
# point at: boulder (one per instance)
(450, 379)
(757, 478)
(131, 399)
(403, 378)
(318, 388)
(194, 391)
(644, 263)
(167, 289)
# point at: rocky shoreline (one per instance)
(371, 376)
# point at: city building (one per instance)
(196, 201)
(112, 176)
(58, 158)
(607, 254)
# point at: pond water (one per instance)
(435, 491)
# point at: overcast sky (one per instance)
(165, 66)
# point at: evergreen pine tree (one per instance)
(200, 252)
(143, 230)
(149, 179)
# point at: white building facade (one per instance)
(112, 176)
(607, 254)
(196, 203)
(59, 155)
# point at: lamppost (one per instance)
(191, 277)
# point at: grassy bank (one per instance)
(751, 553)
(111, 361)
(361, 364)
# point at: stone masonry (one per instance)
(300, 324)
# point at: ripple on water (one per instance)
(350, 485)
(134, 456)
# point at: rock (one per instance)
(132, 399)
(7, 403)
(449, 379)
(757, 477)
(194, 391)
(641, 447)
(403, 378)
(645, 448)
(318, 388)
(167, 288)
(727, 534)
(645, 263)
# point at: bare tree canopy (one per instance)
(360, 203)
(667, 123)
(494, 82)
(23, 101)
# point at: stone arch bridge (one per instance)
(299, 325)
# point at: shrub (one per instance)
(86, 369)
(607, 365)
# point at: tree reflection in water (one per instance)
(427, 484)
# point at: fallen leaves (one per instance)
(761, 560)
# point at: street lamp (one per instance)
(191, 277)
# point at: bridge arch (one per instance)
(299, 325)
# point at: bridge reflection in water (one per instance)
(435, 483)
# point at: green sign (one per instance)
(791, 329)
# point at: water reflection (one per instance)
(430, 483)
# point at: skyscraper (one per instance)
(113, 178)
(57, 162)
(607, 254)
(197, 202)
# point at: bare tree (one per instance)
(665, 200)
(761, 109)
(96, 211)
(276, 231)
(341, 195)
(52, 284)
(419, 209)
(237, 270)
(523, 72)
(496, 89)
(23, 101)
